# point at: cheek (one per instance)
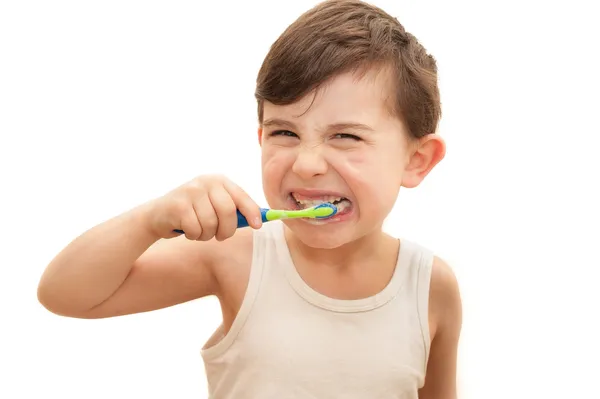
(367, 168)
(275, 163)
(374, 179)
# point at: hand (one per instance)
(203, 208)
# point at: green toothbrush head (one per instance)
(324, 210)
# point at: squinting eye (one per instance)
(283, 133)
(347, 136)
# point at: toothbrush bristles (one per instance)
(326, 210)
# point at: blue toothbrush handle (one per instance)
(241, 220)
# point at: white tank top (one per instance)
(289, 341)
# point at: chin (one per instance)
(320, 236)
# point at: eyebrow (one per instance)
(334, 126)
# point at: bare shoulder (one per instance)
(179, 270)
(444, 295)
(445, 320)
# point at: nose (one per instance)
(309, 162)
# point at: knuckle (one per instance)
(220, 177)
(214, 178)
(223, 236)
(210, 223)
(206, 235)
(228, 210)
(251, 209)
(192, 230)
(180, 205)
(191, 236)
(196, 188)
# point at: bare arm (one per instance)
(446, 317)
(121, 267)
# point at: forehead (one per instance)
(361, 98)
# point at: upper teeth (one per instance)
(327, 198)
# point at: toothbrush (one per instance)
(321, 211)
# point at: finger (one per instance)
(206, 216)
(244, 204)
(226, 212)
(189, 222)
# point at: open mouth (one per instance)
(343, 204)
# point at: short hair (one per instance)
(339, 36)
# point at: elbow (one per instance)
(54, 302)
(48, 300)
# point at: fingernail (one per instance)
(257, 221)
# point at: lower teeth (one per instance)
(340, 205)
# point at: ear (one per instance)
(260, 133)
(426, 152)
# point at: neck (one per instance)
(354, 252)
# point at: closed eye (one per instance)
(347, 136)
(287, 133)
(283, 133)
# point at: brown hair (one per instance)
(339, 36)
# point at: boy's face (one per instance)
(345, 146)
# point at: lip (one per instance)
(307, 194)
(334, 220)
(315, 194)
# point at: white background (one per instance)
(104, 105)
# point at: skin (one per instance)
(343, 139)
(304, 148)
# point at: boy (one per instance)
(348, 107)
